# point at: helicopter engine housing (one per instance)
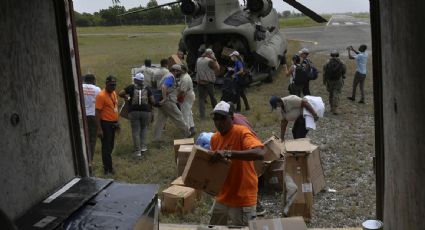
(260, 7)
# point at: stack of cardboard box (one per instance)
(273, 169)
(178, 142)
(303, 164)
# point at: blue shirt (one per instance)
(169, 81)
(361, 62)
(238, 66)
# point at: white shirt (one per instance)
(90, 92)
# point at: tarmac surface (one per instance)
(340, 32)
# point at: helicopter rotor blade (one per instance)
(306, 11)
(151, 8)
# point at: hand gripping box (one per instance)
(201, 173)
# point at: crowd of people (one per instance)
(170, 93)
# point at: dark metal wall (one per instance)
(403, 94)
(40, 120)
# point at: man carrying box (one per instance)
(235, 204)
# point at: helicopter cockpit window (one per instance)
(238, 18)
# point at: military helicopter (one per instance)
(225, 25)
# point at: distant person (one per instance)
(140, 100)
(107, 121)
(309, 68)
(235, 204)
(168, 105)
(148, 72)
(159, 73)
(180, 55)
(333, 78)
(361, 69)
(206, 67)
(186, 98)
(297, 76)
(90, 91)
(240, 83)
(291, 108)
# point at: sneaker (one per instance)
(138, 153)
(351, 98)
(260, 210)
(361, 101)
(144, 149)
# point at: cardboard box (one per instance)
(274, 177)
(291, 223)
(273, 148)
(178, 142)
(261, 167)
(178, 199)
(302, 147)
(201, 174)
(226, 52)
(179, 182)
(296, 167)
(182, 156)
(173, 59)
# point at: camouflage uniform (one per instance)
(334, 86)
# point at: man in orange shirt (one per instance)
(236, 202)
(107, 121)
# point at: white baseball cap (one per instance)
(304, 51)
(223, 108)
(139, 77)
(234, 53)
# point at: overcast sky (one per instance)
(320, 6)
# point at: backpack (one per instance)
(228, 92)
(314, 73)
(301, 75)
(333, 70)
(139, 97)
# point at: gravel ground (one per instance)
(346, 143)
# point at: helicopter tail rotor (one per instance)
(306, 11)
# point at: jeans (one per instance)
(91, 125)
(358, 79)
(108, 141)
(299, 130)
(139, 121)
(203, 90)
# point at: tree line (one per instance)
(110, 16)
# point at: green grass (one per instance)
(300, 22)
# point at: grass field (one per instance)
(300, 22)
(116, 54)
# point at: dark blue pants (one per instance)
(108, 140)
